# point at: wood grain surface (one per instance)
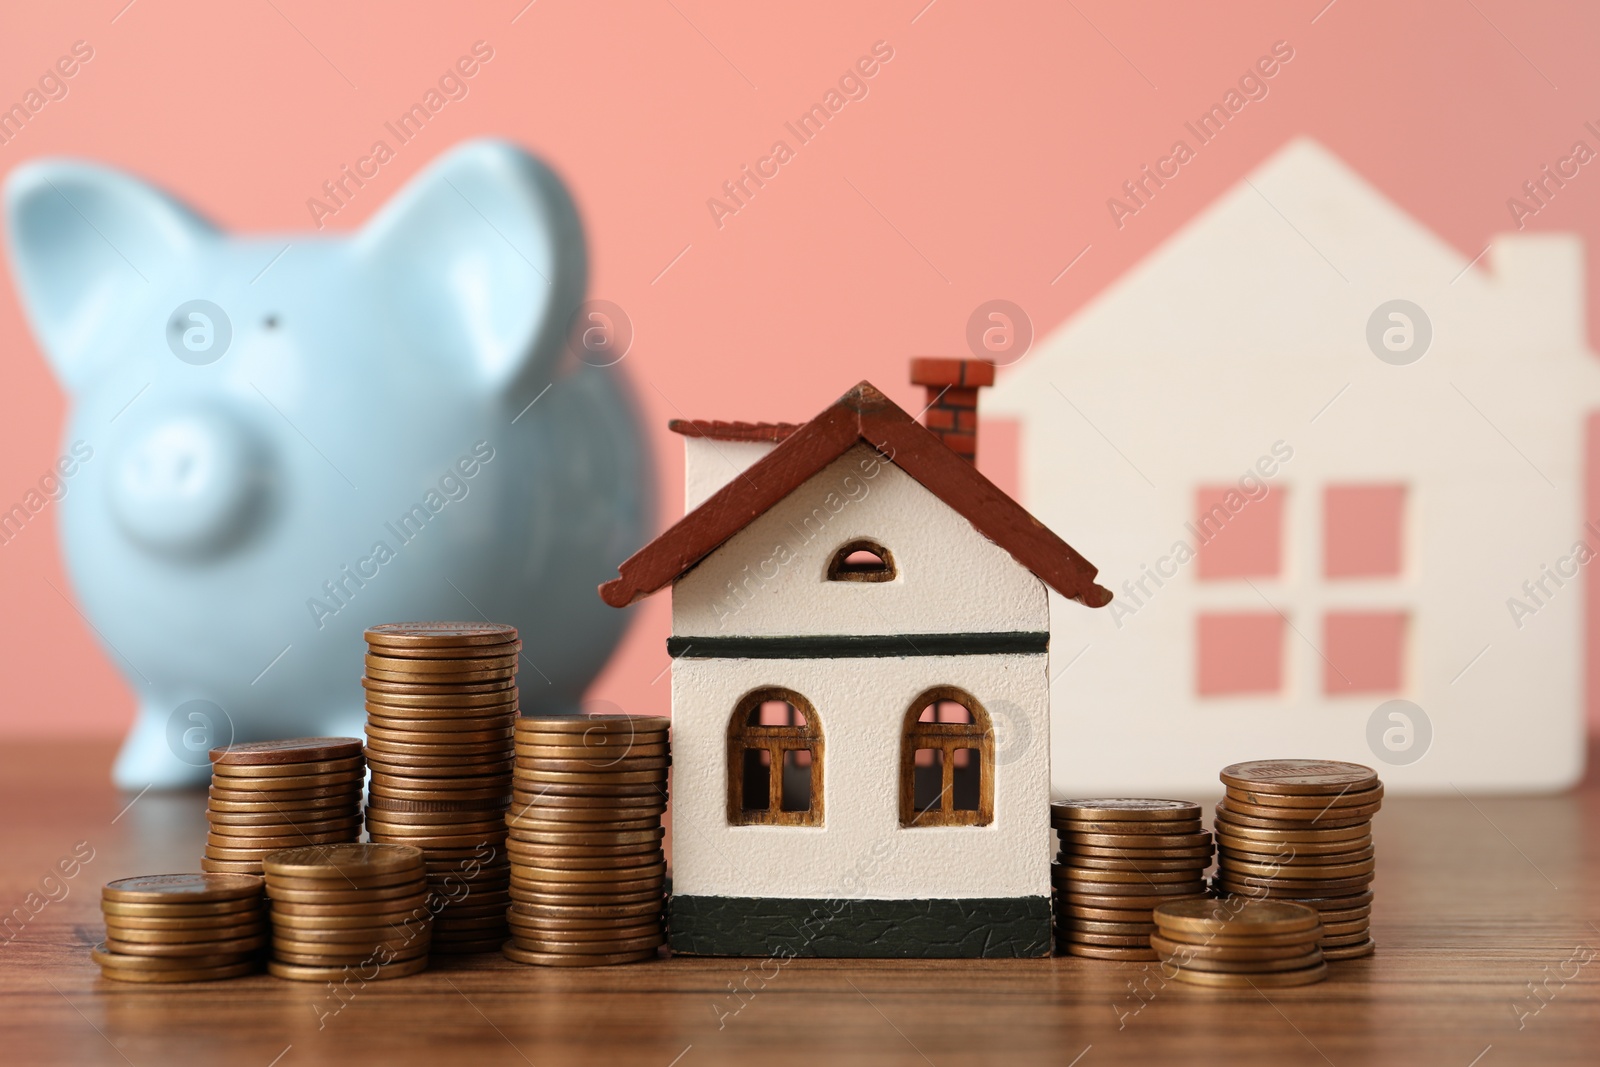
(1487, 909)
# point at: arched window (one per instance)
(774, 761)
(946, 761)
(861, 561)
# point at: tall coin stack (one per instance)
(587, 869)
(356, 909)
(441, 703)
(1119, 859)
(1239, 943)
(270, 795)
(1301, 830)
(182, 927)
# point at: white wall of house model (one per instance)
(1248, 329)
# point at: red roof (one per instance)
(863, 415)
(734, 431)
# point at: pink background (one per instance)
(977, 167)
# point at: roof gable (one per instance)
(863, 414)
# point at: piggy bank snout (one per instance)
(188, 483)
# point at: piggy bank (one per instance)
(279, 441)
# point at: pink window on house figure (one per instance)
(1364, 652)
(1363, 531)
(1239, 653)
(1238, 533)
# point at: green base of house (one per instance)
(988, 927)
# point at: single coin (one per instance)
(1322, 872)
(601, 910)
(584, 723)
(524, 929)
(1228, 816)
(498, 725)
(1100, 863)
(1302, 938)
(256, 924)
(1085, 937)
(297, 833)
(1301, 886)
(385, 689)
(1124, 914)
(606, 747)
(593, 777)
(1143, 841)
(335, 860)
(1280, 980)
(638, 808)
(1091, 926)
(279, 783)
(379, 911)
(211, 866)
(181, 889)
(341, 803)
(1070, 829)
(534, 768)
(596, 837)
(344, 880)
(246, 774)
(439, 652)
(203, 922)
(1300, 816)
(366, 972)
(501, 701)
(619, 876)
(437, 682)
(292, 750)
(1071, 852)
(298, 817)
(187, 949)
(479, 823)
(1181, 952)
(1127, 901)
(377, 897)
(578, 894)
(1355, 798)
(393, 935)
(1236, 918)
(1348, 915)
(422, 819)
(1124, 809)
(1319, 834)
(192, 974)
(1208, 965)
(523, 828)
(1299, 776)
(525, 793)
(1354, 898)
(469, 807)
(1260, 846)
(245, 851)
(1110, 952)
(1098, 894)
(593, 863)
(328, 953)
(517, 954)
(1286, 854)
(495, 787)
(267, 791)
(105, 957)
(488, 659)
(1072, 875)
(474, 739)
(1329, 940)
(581, 926)
(559, 946)
(1349, 952)
(439, 634)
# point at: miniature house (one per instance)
(1306, 526)
(860, 685)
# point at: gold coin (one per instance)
(1349, 952)
(366, 972)
(1280, 980)
(117, 933)
(1302, 776)
(439, 841)
(1093, 926)
(295, 750)
(1069, 829)
(517, 954)
(1181, 952)
(1110, 952)
(181, 889)
(325, 861)
(437, 818)
(637, 809)
(193, 974)
(497, 722)
(1125, 809)
(1236, 917)
(408, 754)
(234, 947)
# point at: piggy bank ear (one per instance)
(86, 244)
(482, 257)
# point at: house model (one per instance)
(1315, 508)
(860, 685)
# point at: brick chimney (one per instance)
(953, 386)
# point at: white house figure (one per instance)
(860, 686)
(1329, 464)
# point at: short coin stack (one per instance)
(1240, 944)
(1119, 859)
(587, 870)
(270, 795)
(182, 927)
(343, 909)
(441, 701)
(1296, 829)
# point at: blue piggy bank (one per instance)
(280, 441)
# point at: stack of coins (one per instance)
(356, 909)
(1301, 830)
(1238, 943)
(1119, 859)
(441, 701)
(182, 927)
(270, 795)
(587, 870)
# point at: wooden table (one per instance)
(1487, 910)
